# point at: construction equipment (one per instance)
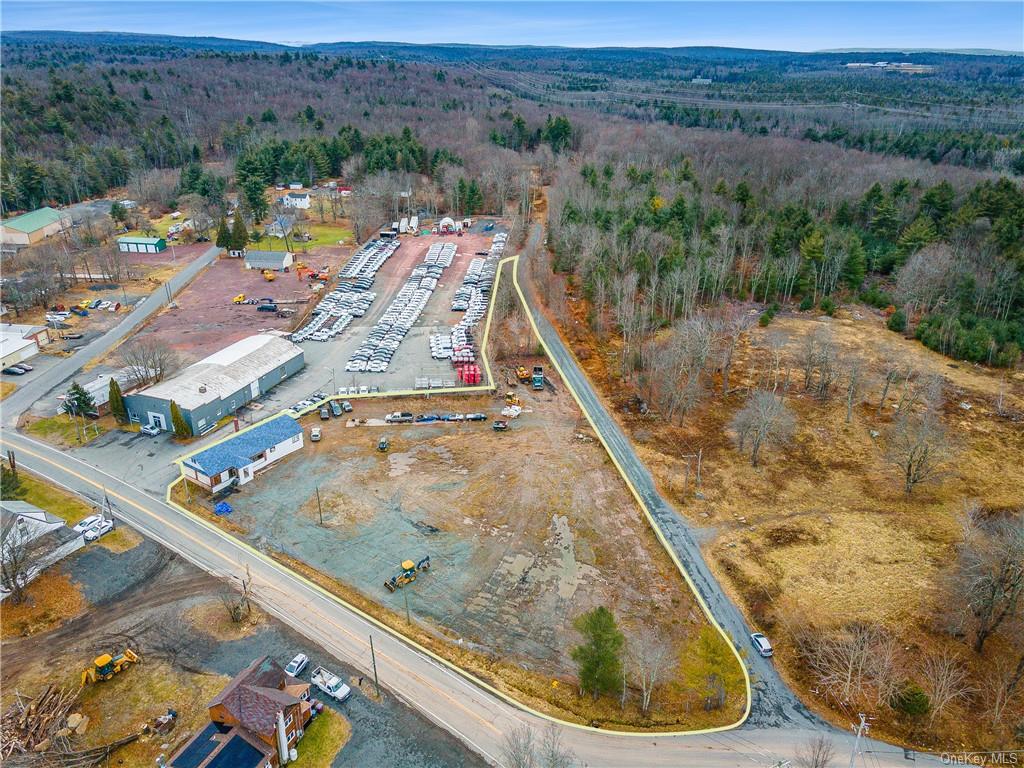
(511, 398)
(106, 666)
(239, 299)
(269, 276)
(537, 380)
(522, 374)
(407, 574)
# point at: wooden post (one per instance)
(373, 657)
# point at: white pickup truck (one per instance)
(330, 683)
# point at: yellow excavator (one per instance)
(269, 276)
(407, 574)
(522, 374)
(106, 666)
(511, 398)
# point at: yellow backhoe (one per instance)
(106, 666)
(407, 574)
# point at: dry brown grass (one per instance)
(822, 532)
(69, 508)
(120, 540)
(7, 388)
(52, 598)
(119, 706)
(212, 619)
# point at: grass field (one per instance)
(323, 740)
(7, 388)
(45, 496)
(324, 234)
(63, 430)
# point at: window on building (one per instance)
(257, 457)
(273, 448)
(295, 439)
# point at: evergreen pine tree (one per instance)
(181, 427)
(239, 234)
(116, 399)
(78, 401)
(599, 658)
(855, 266)
(10, 483)
(223, 234)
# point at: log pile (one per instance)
(36, 725)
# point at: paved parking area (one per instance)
(325, 361)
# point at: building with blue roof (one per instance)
(236, 460)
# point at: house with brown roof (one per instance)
(256, 721)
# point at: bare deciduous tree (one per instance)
(148, 360)
(239, 604)
(651, 658)
(918, 448)
(733, 324)
(764, 420)
(816, 752)
(945, 681)
(857, 664)
(854, 384)
(20, 555)
(520, 750)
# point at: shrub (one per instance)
(828, 306)
(898, 321)
(806, 304)
(912, 701)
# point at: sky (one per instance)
(803, 25)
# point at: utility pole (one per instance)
(373, 657)
(406, 596)
(319, 508)
(859, 730)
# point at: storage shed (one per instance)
(277, 261)
(128, 244)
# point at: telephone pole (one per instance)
(859, 730)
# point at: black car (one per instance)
(325, 414)
(13, 371)
(476, 417)
(336, 408)
(500, 426)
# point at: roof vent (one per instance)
(202, 389)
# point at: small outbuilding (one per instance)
(129, 244)
(236, 460)
(276, 261)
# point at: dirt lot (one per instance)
(413, 358)
(822, 534)
(525, 530)
(148, 599)
(205, 320)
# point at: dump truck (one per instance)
(106, 666)
(537, 380)
(330, 683)
(407, 574)
(522, 374)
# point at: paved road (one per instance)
(33, 389)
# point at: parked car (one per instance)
(346, 406)
(325, 413)
(87, 523)
(383, 444)
(296, 665)
(331, 684)
(476, 417)
(12, 371)
(149, 429)
(500, 426)
(24, 366)
(267, 308)
(426, 418)
(100, 529)
(71, 335)
(399, 417)
(336, 408)
(314, 434)
(761, 644)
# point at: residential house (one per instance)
(297, 200)
(255, 722)
(281, 226)
(43, 536)
(34, 226)
(237, 459)
(218, 385)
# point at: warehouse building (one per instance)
(21, 342)
(218, 385)
(128, 244)
(236, 460)
(32, 227)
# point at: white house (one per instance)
(49, 539)
(236, 460)
(297, 200)
(294, 185)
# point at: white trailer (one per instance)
(330, 683)
(414, 224)
(403, 226)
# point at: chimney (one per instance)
(202, 389)
(282, 739)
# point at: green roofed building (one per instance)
(32, 227)
(129, 244)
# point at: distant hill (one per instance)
(963, 51)
(58, 37)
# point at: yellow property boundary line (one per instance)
(469, 676)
